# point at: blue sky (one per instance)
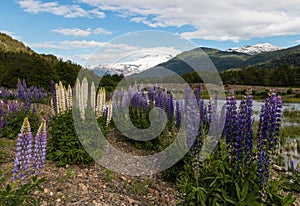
(74, 29)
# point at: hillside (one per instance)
(19, 61)
(8, 44)
(224, 60)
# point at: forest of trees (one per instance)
(285, 75)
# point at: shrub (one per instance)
(14, 123)
(64, 146)
(238, 171)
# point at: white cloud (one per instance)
(101, 31)
(68, 11)
(106, 52)
(213, 20)
(81, 32)
(73, 32)
(67, 44)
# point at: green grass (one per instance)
(292, 115)
(290, 100)
(5, 146)
(290, 131)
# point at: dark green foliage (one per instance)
(110, 82)
(20, 62)
(2, 154)
(13, 196)
(215, 182)
(38, 70)
(64, 146)
(278, 76)
(14, 124)
(292, 182)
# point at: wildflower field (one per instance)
(242, 154)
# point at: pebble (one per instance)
(83, 188)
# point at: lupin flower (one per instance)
(248, 129)
(292, 166)
(53, 97)
(39, 152)
(23, 151)
(101, 96)
(267, 134)
(263, 167)
(178, 115)
(109, 112)
(4, 95)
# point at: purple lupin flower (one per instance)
(53, 96)
(178, 115)
(23, 151)
(197, 93)
(239, 137)
(39, 152)
(292, 165)
(268, 131)
(248, 129)
(170, 108)
(4, 95)
(2, 115)
(20, 89)
(263, 167)
(150, 93)
(231, 124)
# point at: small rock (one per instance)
(83, 188)
(130, 200)
(58, 200)
(51, 193)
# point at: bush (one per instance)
(64, 146)
(216, 182)
(14, 123)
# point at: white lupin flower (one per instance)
(77, 90)
(101, 97)
(85, 91)
(63, 98)
(93, 96)
(58, 108)
(70, 97)
(52, 108)
(67, 99)
(109, 112)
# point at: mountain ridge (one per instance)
(255, 49)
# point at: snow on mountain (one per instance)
(137, 65)
(255, 49)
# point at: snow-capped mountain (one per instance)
(137, 65)
(255, 49)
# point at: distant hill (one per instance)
(224, 60)
(19, 61)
